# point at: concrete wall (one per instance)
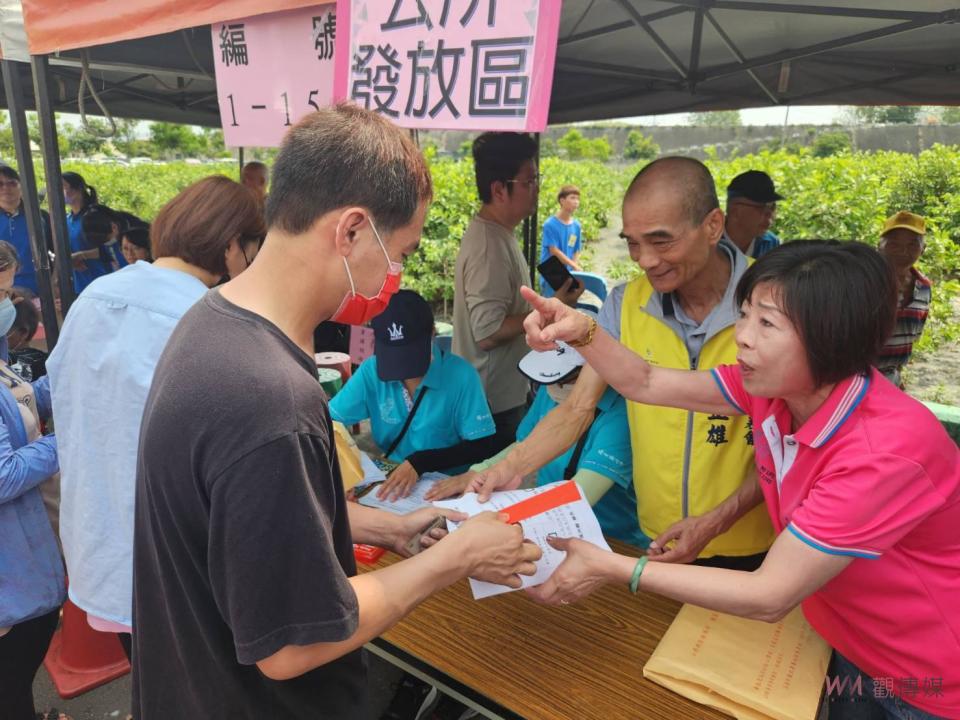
(683, 140)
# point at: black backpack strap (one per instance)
(578, 451)
(406, 425)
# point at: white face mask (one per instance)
(558, 393)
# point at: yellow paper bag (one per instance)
(749, 669)
(349, 456)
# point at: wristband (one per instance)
(637, 572)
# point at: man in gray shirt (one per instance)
(488, 310)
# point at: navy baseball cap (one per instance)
(403, 337)
(754, 185)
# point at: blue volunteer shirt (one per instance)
(13, 229)
(78, 242)
(100, 374)
(453, 410)
(606, 452)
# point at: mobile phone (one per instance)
(413, 544)
(556, 273)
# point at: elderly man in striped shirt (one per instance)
(902, 243)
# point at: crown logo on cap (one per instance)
(396, 332)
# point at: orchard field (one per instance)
(845, 196)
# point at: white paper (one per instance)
(574, 519)
(371, 472)
(402, 506)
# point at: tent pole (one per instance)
(31, 204)
(531, 227)
(240, 158)
(52, 171)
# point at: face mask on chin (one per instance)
(8, 314)
(357, 309)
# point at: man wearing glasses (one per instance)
(751, 208)
(488, 311)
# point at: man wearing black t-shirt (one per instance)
(246, 598)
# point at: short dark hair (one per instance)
(568, 190)
(254, 165)
(497, 157)
(199, 223)
(139, 235)
(840, 296)
(27, 319)
(346, 155)
(698, 191)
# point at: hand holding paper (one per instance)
(562, 512)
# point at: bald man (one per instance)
(253, 176)
(697, 491)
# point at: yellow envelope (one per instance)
(349, 456)
(749, 669)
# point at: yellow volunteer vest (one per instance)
(687, 463)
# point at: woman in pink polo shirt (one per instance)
(861, 481)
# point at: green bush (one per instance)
(831, 143)
(639, 147)
(845, 196)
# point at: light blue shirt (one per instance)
(100, 373)
(453, 410)
(605, 452)
(31, 573)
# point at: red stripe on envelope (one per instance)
(560, 495)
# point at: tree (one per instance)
(639, 147)
(831, 143)
(576, 147)
(572, 144)
(886, 114)
(176, 140)
(950, 115)
(716, 119)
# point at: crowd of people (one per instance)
(758, 449)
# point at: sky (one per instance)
(799, 115)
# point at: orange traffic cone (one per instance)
(80, 658)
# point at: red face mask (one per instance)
(359, 309)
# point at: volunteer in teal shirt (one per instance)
(601, 462)
(606, 452)
(452, 417)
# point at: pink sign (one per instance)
(445, 64)
(272, 70)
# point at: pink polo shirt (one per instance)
(872, 474)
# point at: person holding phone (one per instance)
(562, 236)
(488, 311)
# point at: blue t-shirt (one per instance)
(100, 373)
(606, 452)
(567, 238)
(78, 243)
(453, 410)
